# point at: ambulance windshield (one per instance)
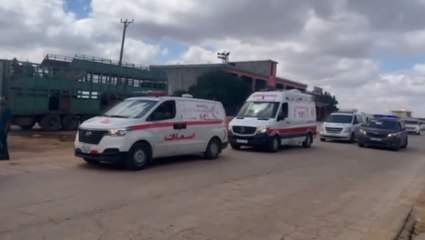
(259, 110)
(340, 118)
(130, 109)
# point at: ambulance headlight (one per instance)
(263, 129)
(117, 132)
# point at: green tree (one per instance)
(331, 101)
(218, 85)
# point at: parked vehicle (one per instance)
(61, 92)
(342, 125)
(413, 126)
(422, 125)
(275, 118)
(140, 129)
(383, 132)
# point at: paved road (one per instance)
(331, 191)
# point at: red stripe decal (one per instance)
(293, 130)
(170, 124)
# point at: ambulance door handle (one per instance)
(179, 126)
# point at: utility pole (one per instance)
(126, 23)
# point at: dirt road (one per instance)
(331, 191)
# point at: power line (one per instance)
(126, 23)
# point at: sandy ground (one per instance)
(331, 191)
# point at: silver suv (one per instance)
(342, 126)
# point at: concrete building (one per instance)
(258, 74)
(402, 113)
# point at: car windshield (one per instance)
(130, 109)
(383, 124)
(259, 109)
(411, 122)
(339, 118)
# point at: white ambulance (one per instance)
(139, 129)
(275, 118)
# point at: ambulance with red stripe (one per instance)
(275, 118)
(139, 129)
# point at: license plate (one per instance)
(85, 148)
(376, 139)
(241, 141)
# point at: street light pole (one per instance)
(126, 23)
(224, 56)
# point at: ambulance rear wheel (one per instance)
(308, 141)
(139, 157)
(274, 145)
(213, 149)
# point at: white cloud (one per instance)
(197, 55)
(416, 40)
(327, 43)
(419, 68)
(42, 27)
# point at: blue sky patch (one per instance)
(393, 62)
(81, 8)
(175, 50)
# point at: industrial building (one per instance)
(258, 74)
(402, 113)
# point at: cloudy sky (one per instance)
(369, 53)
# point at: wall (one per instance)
(265, 68)
(181, 78)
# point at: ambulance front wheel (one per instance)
(274, 144)
(139, 157)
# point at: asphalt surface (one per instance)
(331, 191)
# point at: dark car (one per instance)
(389, 133)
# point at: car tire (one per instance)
(308, 141)
(361, 145)
(235, 146)
(405, 145)
(274, 144)
(91, 161)
(213, 149)
(352, 138)
(27, 126)
(139, 157)
(397, 146)
(50, 123)
(322, 139)
(70, 122)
